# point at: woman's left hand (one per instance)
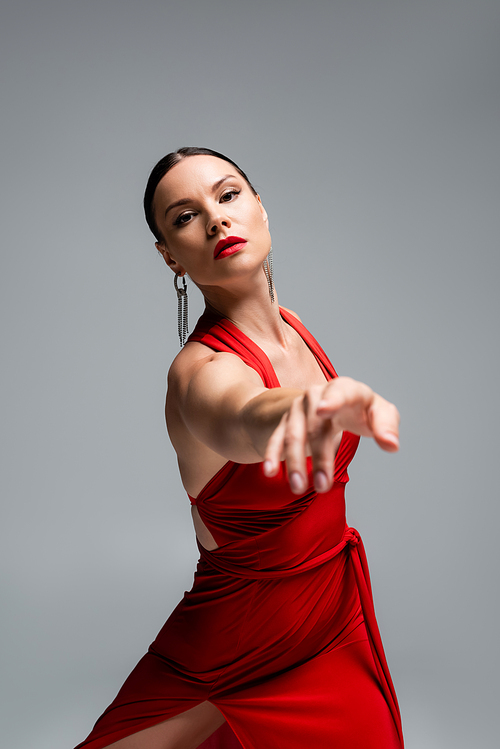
(313, 422)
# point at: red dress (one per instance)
(279, 630)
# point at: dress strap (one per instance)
(220, 334)
(311, 342)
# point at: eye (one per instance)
(229, 195)
(184, 218)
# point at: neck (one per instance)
(250, 309)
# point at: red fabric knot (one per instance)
(352, 536)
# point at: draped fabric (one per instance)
(279, 630)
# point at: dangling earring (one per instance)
(182, 309)
(268, 270)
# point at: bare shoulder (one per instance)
(203, 385)
(199, 362)
(207, 391)
(291, 312)
(187, 362)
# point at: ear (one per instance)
(262, 210)
(173, 264)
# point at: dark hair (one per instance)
(164, 165)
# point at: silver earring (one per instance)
(182, 309)
(268, 270)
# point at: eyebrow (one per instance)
(185, 201)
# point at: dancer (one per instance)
(277, 644)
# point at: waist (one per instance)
(230, 565)
(305, 526)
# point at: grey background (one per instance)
(370, 127)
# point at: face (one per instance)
(213, 226)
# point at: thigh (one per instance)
(335, 700)
(185, 731)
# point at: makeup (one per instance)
(228, 246)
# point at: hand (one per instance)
(313, 422)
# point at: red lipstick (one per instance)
(228, 246)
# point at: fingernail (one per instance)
(296, 482)
(391, 437)
(320, 481)
(268, 467)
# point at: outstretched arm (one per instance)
(224, 405)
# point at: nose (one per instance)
(216, 222)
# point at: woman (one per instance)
(278, 635)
